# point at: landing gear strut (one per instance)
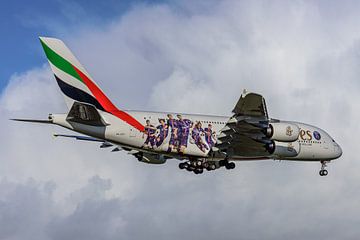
(323, 171)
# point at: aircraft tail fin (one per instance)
(76, 84)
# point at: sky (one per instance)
(21, 23)
(180, 56)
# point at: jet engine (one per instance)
(151, 158)
(283, 131)
(283, 150)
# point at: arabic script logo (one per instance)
(290, 147)
(289, 131)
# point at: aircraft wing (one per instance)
(142, 155)
(244, 133)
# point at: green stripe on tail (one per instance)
(60, 62)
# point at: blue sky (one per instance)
(21, 23)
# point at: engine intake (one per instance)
(283, 150)
(283, 131)
(151, 158)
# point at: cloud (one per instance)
(192, 58)
(29, 211)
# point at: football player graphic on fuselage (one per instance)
(172, 123)
(209, 136)
(196, 135)
(184, 126)
(150, 132)
(163, 132)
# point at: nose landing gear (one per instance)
(323, 171)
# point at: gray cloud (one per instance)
(302, 56)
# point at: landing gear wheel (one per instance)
(198, 171)
(230, 165)
(323, 171)
(206, 165)
(193, 163)
(183, 165)
(198, 163)
(211, 167)
(190, 168)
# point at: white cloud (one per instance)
(193, 58)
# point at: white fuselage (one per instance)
(196, 135)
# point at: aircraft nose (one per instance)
(338, 151)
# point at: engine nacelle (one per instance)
(283, 131)
(152, 158)
(283, 150)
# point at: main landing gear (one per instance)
(228, 165)
(198, 166)
(323, 171)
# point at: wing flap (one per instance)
(251, 105)
(243, 135)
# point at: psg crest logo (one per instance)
(317, 135)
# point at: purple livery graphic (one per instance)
(196, 135)
(176, 132)
(172, 123)
(150, 132)
(184, 126)
(209, 136)
(163, 132)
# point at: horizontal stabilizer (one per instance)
(83, 138)
(32, 120)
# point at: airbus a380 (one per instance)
(198, 141)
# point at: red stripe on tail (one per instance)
(107, 104)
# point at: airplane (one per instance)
(200, 142)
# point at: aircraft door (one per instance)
(133, 132)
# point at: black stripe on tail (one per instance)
(77, 94)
